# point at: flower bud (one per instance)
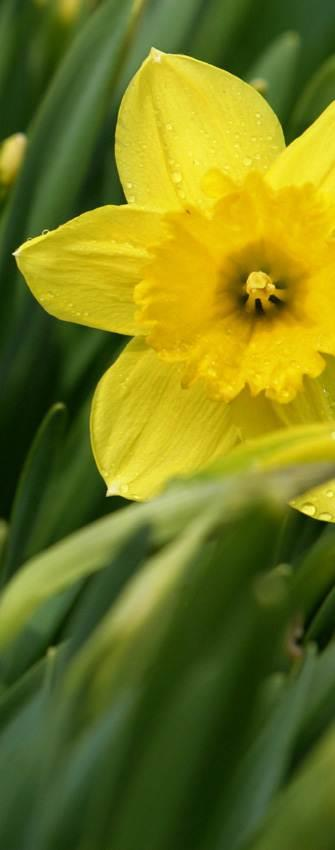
(68, 10)
(12, 151)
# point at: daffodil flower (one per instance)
(221, 266)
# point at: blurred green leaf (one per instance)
(316, 96)
(90, 549)
(31, 490)
(320, 706)
(264, 766)
(217, 28)
(305, 815)
(300, 444)
(316, 572)
(275, 70)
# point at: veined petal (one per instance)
(85, 271)
(310, 158)
(179, 118)
(146, 429)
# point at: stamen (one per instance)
(259, 281)
(261, 293)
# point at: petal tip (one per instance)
(117, 488)
(156, 55)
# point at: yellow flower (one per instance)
(221, 266)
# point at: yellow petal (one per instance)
(146, 429)
(180, 118)
(85, 271)
(310, 158)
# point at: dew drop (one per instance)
(44, 232)
(309, 509)
(131, 199)
(326, 517)
(330, 493)
(169, 126)
(129, 185)
(247, 160)
(176, 177)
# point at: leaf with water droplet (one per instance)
(298, 446)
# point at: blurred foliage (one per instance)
(167, 673)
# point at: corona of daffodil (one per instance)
(221, 265)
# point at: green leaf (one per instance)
(217, 29)
(173, 748)
(304, 817)
(316, 573)
(316, 96)
(322, 626)
(320, 706)
(263, 768)
(301, 444)
(91, 548)
(186, 598)
(13, 699)
(31, 490)
(275, 72)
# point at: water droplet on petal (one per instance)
(176, 177)
(309, 509)
(330, 493)
(326, 517)
(247, 161)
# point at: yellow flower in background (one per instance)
(12, 152)
(221, 265)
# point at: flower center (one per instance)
(241, 295)
(260, 293)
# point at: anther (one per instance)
(260, 293)
(259, 282)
